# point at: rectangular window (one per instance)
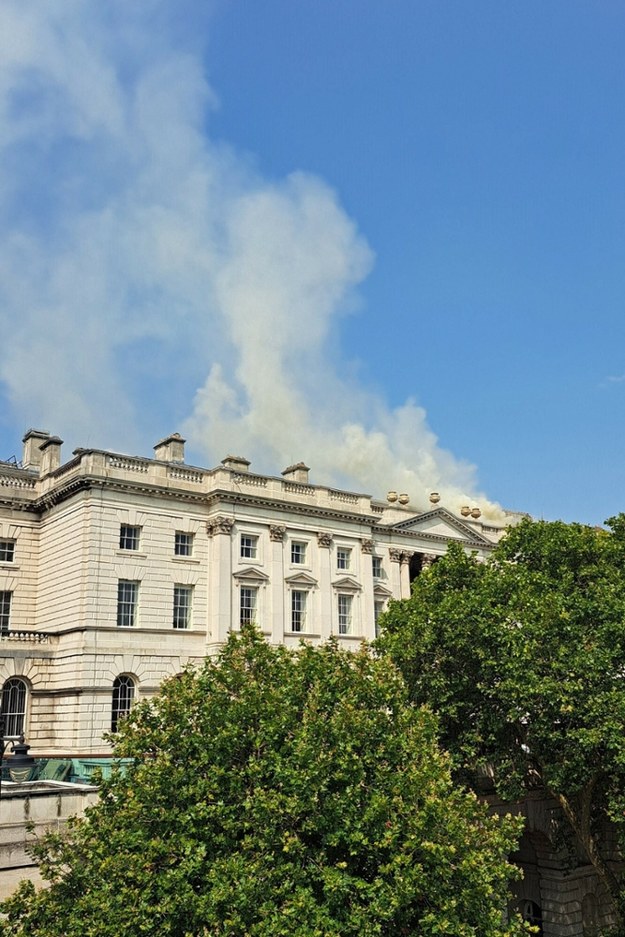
(298, 552)
(378, 608)
(5, 611)
(343, 557)
(249, 546)
(182, 606)
(345, 614)
(7, 551)
(127, 594)
(249, 596)
(129, 537)
(183, 544)
(377, 566)
(298, 610)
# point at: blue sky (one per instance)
(385, 238)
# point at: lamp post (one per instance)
(20, 764)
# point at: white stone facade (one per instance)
(121, 567)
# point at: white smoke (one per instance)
(139, 259)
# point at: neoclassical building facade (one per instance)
(117, 571)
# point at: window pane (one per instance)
(129, 537)
(345, 614)
(183, 544)
(123, 696)
(248, 546)
(248, 605)
(378, 608)
(377, 566)
(5, 611)
(298, 552)
(342, 558)
(182, 606)
(14, 706)
(298, 611)
(7, 551)
(127, 592)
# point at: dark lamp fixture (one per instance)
(20, 763)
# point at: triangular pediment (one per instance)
(251, 575)
(347, 584)
(301, 579)
(440, 524)
(382, 592)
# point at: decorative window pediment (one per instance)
(251, 575)
(347, 584)
(381, 592)
(301, 579)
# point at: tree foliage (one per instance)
(277, 793)
(523, 659)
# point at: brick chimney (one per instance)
(31, 456)
(170, 449)
(297, 473)
(50, 454)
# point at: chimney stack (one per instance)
(170, 449)
(31, 457)
(236, 463)
(51, 454)
(296, 473)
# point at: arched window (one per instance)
(590, 915)
(14, 693)
(532, 913)
(123, 695)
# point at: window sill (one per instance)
(135, 554)
(301, 634)
(186, 559)
(8, 564)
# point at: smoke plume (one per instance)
(141, 260)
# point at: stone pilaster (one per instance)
(220, 588)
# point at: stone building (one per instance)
(117, 571)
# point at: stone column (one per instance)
(404, 574)
(395, 556)
(221, 614)
(367, 598)
(325, 595)
(426, 560)
(277, 610)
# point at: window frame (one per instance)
(248, 612)
(7, 546)
(379, 607)
(129, 537)
(181, 618)
(248, 550)
(120, 707)
(345, 606)
(299, 597)
(6, 601)
(299, 550)
(376, 567)
(14, 716)
(183, 543)
(344, 559)
(126, 608)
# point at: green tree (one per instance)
(277, 793)
(523, 659)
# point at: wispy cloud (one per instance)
(139, 259)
